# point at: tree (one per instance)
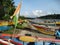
(1, 9)
(8, 6)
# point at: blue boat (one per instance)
(4, 28)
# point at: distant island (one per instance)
(51, 16)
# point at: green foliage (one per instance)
(22, 25)
(7, 8)
(22, 17)
(1, 9)
(1, 44)
(6, 17)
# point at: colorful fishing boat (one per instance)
(44, 30)
(5, 40)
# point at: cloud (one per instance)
(49, 13)
(35, 13)
(25, 14)
(39, 13)
(28, 14)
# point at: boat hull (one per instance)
(44, 30)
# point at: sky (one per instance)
(37, 8)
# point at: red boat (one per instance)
(4, 41)
(44, 30)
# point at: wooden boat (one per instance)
(58, 23)
(3, 23)
(41, 29)
(6, 37)
(44, 30)
(5, 41)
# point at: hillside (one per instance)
(22, 17)
(52, 16)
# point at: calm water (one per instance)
(42, 20)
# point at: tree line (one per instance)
(51, 16)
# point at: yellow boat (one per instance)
(44, 30)
(57, 22)
(3, 23)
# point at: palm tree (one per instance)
(7, 7)
(1, 9)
